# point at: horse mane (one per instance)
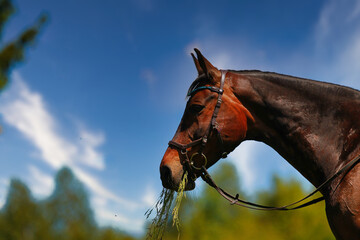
(288, 80)
(302, 83)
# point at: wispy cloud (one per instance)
(149, 197)
(338, 20)
(234, 53)
(88, 144)
(349, 62)
(337, 34)
(97, 188)
(4, 184)
(323, 26)
(243, 158)
(355, 13)
(149, 76)
(26, 111)
(42, 184)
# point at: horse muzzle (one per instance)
(172, 181)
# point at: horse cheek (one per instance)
(242, 127)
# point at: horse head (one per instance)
(213, 124)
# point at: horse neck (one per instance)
(315, 126)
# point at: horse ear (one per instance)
(197, 65)
(211, 71)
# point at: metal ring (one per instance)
(192, 162)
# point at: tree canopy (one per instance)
(209, 216)
(65, 214)
(13, 52)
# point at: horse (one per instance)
(314, 125)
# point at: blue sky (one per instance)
(103, 90)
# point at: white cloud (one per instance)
(41, 184)
(149, 197)
(87, 147)
(338, 38)
(26, 111)
(355, 12)
(243, 158)
(114, 219)
(149, 76)
(190, 47)
(4, 184)
(323, 26)
(349, 62)
(97, 188)
(107, 214)
(337, 22)
(234, 53)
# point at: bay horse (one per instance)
(314, 125)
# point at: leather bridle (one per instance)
(194, 170)
(189, 164)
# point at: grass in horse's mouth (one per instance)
(180, 194)
(162, 207)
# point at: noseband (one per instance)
(189, 164)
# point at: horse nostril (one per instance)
(165, 175)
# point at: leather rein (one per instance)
(194, 170)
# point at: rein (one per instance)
(193, 169)
(236, 200)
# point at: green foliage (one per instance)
(21, 217)
(13, 52)
(112, 234)
(68, 208)
(65, 214)
(209, 216)
(310, 222)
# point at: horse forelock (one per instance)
(199, 81)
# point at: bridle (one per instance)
(189, 164)
(194, 170)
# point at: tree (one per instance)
(68, 209)
(113, 234)
(65, 214)
(306, 223)
(209, 216)
(21, 218)
(13, 52)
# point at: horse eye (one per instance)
(195, 108)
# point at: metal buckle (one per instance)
(192, 162)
